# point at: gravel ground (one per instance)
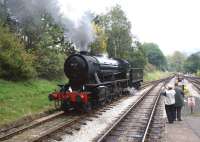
(93, 128)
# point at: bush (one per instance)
(137, 59)
(155, 75)
(149, 68)
(49, 63)
(15, 62)
(198, 73)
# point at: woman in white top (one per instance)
(169, 99)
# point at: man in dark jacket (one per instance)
(179, 101)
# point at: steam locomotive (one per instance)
(94, 81)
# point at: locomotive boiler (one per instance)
(94, 81)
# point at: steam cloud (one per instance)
(80, 33)
(78, 30)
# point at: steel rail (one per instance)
(117, 122)
(34, 123)
(152, 114)
(63, 125)
(55, 129)
(196, 85)
(147, 83)
(195, 82)
(102, 138)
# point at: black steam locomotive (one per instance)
(94, 81)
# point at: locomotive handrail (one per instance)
(136, 68)
(106, 83)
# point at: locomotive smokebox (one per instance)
(76, 69)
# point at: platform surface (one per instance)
(187, 130)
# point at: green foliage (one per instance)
(155, 75)
(155, 55)
(192, 63)
(198, 73)
(47, 40)
(118, 38)
(44, 29)
(49, 63)
(44, 39)
(99, 46)
(49, 51)
(118, 31)
(18, 99)
(176, 61)
(15, 63)
(149, 68)
(137, 58)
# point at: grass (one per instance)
(18, 99)
(155, 75)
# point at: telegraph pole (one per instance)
(5, 9)
(3, 6)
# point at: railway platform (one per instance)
(187, 130)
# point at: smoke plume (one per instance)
(77, 24)
(81, 34)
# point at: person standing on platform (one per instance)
(181, 82)
(169, 100)
(179, 101)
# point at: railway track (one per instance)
(195, 81)
(48, 126)
(157, 131)
(147, 83)
(40, 129)
(134, 124)
(45, 126)
(30, 132)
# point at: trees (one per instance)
(44, 46)
(40, 37)
(176, 61)
(180, 63)
(154, 55)
(49, 63)
(99, 46)
(192, 63)
(136, 56)
(115, 38)
(198, 73)
(15, 63)
(49, 49)
(118, 32)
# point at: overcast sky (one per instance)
(172, 24)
